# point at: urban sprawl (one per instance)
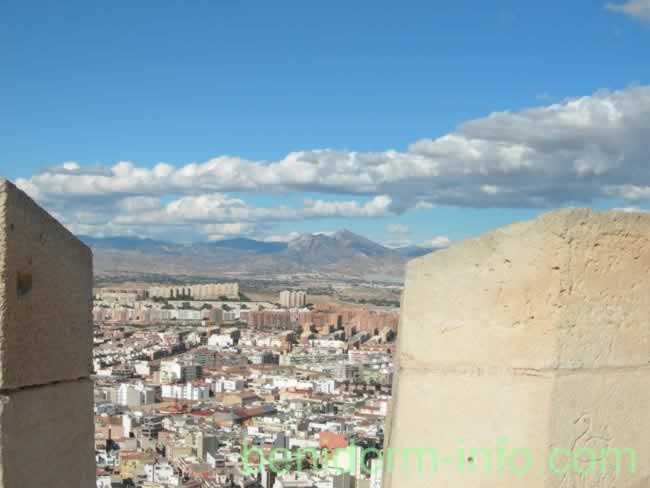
(198, 387)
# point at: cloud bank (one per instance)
(573, 152)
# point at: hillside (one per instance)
(342, 255)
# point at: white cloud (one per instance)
(630, 210)
(213, 216)
(217, 232)
(557, 154)
(568, 153)
(440, 242)
(217, 207)
(639, 9)
(138, 204)
(71, 166)
(282, 237)
(377, 207)
(422, 205)
(490, 189)
(631, 193)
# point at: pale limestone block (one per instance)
(47, 438)
(45, 296)
(526, 333)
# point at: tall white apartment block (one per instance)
(293, 298)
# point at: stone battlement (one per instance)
(536, 334)
(46, 397)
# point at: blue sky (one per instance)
(240, 87)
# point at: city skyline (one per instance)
(225, 234)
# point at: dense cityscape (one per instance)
(197, 387)
(335, 244)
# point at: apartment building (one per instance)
(293, 299)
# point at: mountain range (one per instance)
(342, 254)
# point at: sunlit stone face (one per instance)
(529, 345)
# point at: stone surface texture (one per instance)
(47, 437)
(46, 398)
(535, 336)
(45, 296)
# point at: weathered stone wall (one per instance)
(46, 426)
(536, 336)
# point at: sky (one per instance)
(413, 122)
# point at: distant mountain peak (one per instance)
(343, 252)
(304, 241)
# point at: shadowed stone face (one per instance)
(45, 296)
(537, 335)
(47, 436)
(46, 398)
